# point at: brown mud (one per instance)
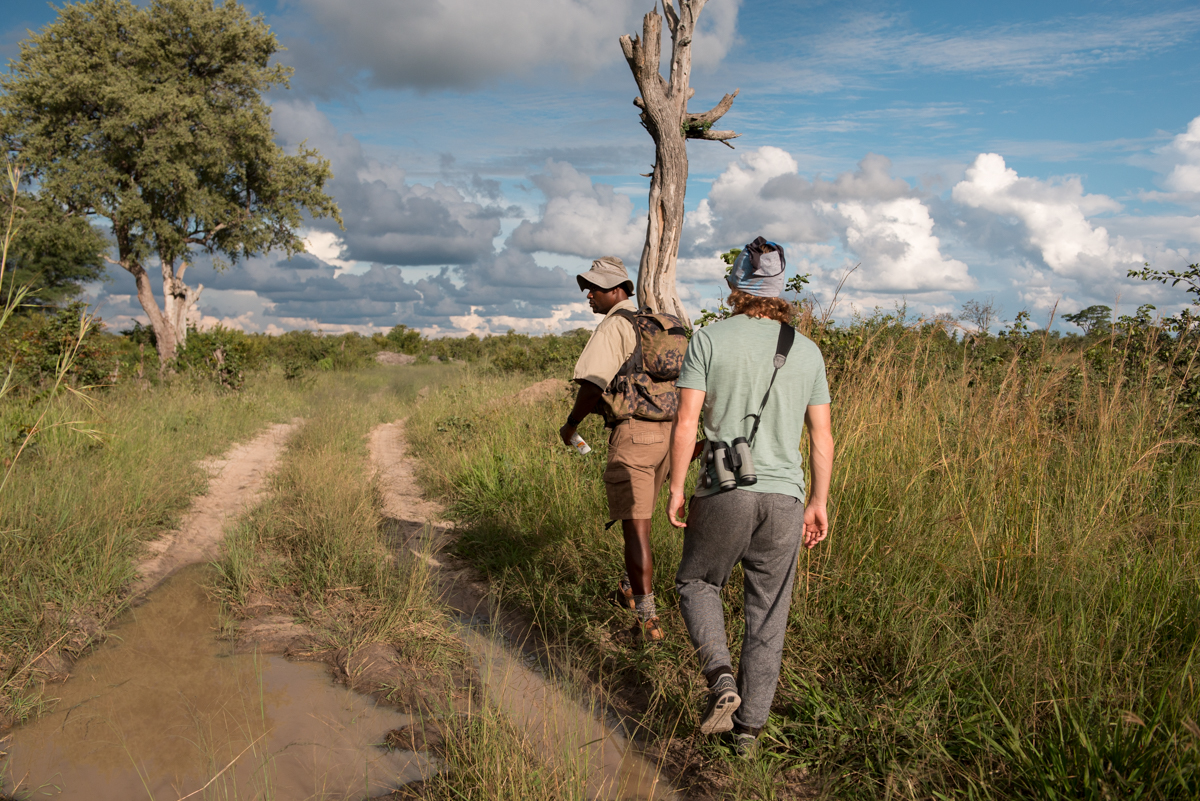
(166, 708)
(509, 654)
(236, 482)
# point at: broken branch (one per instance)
(716, 112)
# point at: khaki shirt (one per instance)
(612, 343)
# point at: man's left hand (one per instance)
(566, 432)
(677, 510)
(816, 524)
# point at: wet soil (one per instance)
(166, 708)
(164, 705)
(236, 482)
(510, 656)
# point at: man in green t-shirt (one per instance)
(732, 373)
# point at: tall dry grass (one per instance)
(1007, 603)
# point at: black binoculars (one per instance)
(728, 466)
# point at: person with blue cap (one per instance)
(759, 384)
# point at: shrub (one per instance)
(35, 344)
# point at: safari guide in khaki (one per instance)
(627, 374)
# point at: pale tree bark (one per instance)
(665, 116)
(169, 323)
(178, 300)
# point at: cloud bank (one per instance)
(464, 44)
(879, 220)
(431, 255)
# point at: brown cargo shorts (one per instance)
(639, 459)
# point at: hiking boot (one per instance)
(723, 701)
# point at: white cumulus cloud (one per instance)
(1183, 181)
(581, 218)
(878, 218)
(1054, 216)
(895, 242)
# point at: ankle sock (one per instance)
(625, 582)
(645, 606)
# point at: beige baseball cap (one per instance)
(607, 272)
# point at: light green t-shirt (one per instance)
(732, 361)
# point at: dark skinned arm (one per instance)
(585, 404)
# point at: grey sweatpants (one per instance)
(763, 531)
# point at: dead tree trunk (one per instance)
(664, 114)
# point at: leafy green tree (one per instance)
(52, 252)
(1189, 277)
(405, 339)
(1093, 319)
(153, 119)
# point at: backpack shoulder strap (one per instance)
(634, 363)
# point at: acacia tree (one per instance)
(51, 253)
(153, 118)
(663, 102)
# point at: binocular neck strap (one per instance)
(783, 346)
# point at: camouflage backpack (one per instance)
(644, 387)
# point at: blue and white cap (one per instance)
(759, 270)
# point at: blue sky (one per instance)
(486, 150)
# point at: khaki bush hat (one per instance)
(607, 272)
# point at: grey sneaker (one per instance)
(745, 745)
(723, 701)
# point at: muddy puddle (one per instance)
(165, 710)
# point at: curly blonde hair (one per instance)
(776, 309)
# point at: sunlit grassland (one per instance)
(487, 758)
(318, 538)
(318, 534)
(1007, 604)
(78, 507)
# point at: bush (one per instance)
(222, 354)
(403, 339)
(35, 344)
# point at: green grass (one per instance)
(318, 537)
(487, 758)
(319, 540)
(1007, 604)
(77, 509)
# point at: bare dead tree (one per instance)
(664, 114)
